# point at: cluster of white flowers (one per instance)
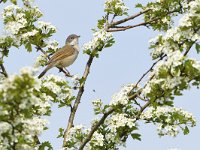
(97, 139)
(46, 27)
(173, 44)
(168, 126)
(122, 96)
(9, 11)
(116, 7)
(16, 18)
(19, 97)
(99, 37)
(41, 60)
(33, 126)
(52, 45)
(76, 135)
(29, 34)
(58, 86)
(15, 26)
(178, 34)
(119, 120)
(20, 20)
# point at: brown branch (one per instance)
(123, 28)
(4, 72)
(112, 19)
(127, 19)
(77, 101)
(95, 127)
(117, 29)
(150, 69)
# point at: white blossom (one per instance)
(172, 127)
(116, 7)
(98, 37)
(40, 61)
(53, 45)
(46, 27)
(97, 139)
(29, 34)
(119, 120)
(122, 96)
(53, 82)
(14, 27)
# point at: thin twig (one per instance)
(123, 28)
(4, 72)
(112, 18)
(117, 29)
(150, 69)
(141, 98)
(128, 18)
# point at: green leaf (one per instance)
(109, 43)
(61, 132)
(14, 2)
(186, 131)
(81, 80)
(197, 47)
(101, 23)
(138, 5)
(136, 136)
(87, 52)
(45, 145)
(28, 47)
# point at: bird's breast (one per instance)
(68, 60)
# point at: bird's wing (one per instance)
(62, 53)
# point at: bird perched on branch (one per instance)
(65, 56)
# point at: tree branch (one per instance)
(127, 19)
(150, 69)
(117, 29)
(4, 72)
(95, 127)
(77, 101)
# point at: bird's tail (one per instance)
(43, 72)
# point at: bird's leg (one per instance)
(66, 71)
(63, 69)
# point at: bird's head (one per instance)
(72, 39)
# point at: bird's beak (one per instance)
(78, 36)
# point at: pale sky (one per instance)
(123, 63)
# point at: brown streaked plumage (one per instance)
(65, 56)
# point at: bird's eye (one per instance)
(72, 38)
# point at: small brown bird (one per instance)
(65, 56)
